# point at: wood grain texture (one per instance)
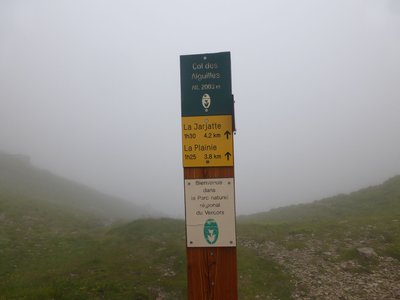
(211, 172)
(212, 271)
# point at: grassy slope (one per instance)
(18, 177)
(380, 201)
(372, 213)
(48, 252)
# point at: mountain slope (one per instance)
(372, 213)
(381, 201)
(20, 178)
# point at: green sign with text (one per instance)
(206, 85)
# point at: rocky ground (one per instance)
(321, 271)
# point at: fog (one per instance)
(91, 91)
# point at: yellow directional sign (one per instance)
(207, 141)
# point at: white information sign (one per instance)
(210, 212)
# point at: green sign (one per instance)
(206, 85)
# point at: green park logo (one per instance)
(211, 231)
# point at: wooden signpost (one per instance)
(208, 161)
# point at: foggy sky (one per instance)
(90, 90)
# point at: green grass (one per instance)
(261, 277)
(89, 262)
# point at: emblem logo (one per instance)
(211, 231)
(206, 101)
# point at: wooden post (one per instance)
(208, 161)
(211, 271)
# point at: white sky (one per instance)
(90, 90)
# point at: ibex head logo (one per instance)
(206, 101)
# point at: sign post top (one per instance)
(206, 84)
